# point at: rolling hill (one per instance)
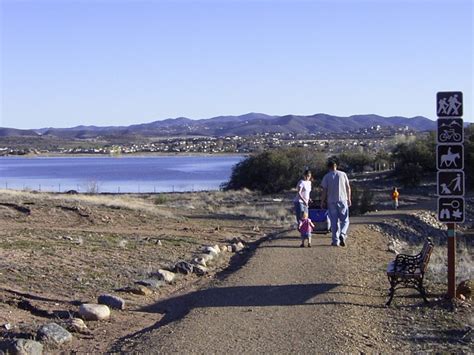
(244, 125)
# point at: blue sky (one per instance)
(104, 62)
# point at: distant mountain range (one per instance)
(244, 125)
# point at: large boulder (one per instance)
(53, 333)
(90, 311)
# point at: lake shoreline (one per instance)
(130, 155)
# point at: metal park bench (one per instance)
(408, 271)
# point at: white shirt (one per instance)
(335, 183)
(305, 187)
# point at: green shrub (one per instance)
(415, 160)
(160, 200)
(276, 170)
(362, 201)
(355, 162)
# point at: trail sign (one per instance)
(450, 156)
(451, 183)
(450, 130)
(449, 104)
(451, 209)
(450, 162)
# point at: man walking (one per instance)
(337, 197)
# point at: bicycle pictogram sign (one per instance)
(450, 130)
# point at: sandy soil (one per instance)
(58, 251)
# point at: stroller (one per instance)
(320, 218)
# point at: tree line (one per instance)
(410, 162)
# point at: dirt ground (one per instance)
(58, 251)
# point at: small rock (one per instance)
(217, 248)
(7, 326)
(54, 334)
(229, 248)
(236, 247)
(465, 288)
(165, 275)
(137, 289)
(200, 270)
(153, 283)
(200, 261)
(26, 347)
(159, 243)
(211, 251)
(76, 325)
(111, 301)
(206, 257)
(183, 267)
(90, 311)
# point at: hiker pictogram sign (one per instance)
(451, 183)
(450, 156)
(450, 130)
(451, 209)
(449, 104)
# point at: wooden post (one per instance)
(452, 260)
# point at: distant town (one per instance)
(372, 139)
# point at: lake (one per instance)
(117, 174)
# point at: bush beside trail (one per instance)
(415, 160)
(276, 170)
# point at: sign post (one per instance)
(450, 177)
(452, 260)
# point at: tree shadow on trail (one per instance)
(240, 296)
(175, 308)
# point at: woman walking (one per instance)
(302, 199)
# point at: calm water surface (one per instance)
(110, 174)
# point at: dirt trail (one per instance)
(284, 299)
(287, 299)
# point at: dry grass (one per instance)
(438, 266)
(128, 202)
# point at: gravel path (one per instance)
(284, 299)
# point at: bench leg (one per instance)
(422, 291)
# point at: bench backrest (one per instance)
(426, 253)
